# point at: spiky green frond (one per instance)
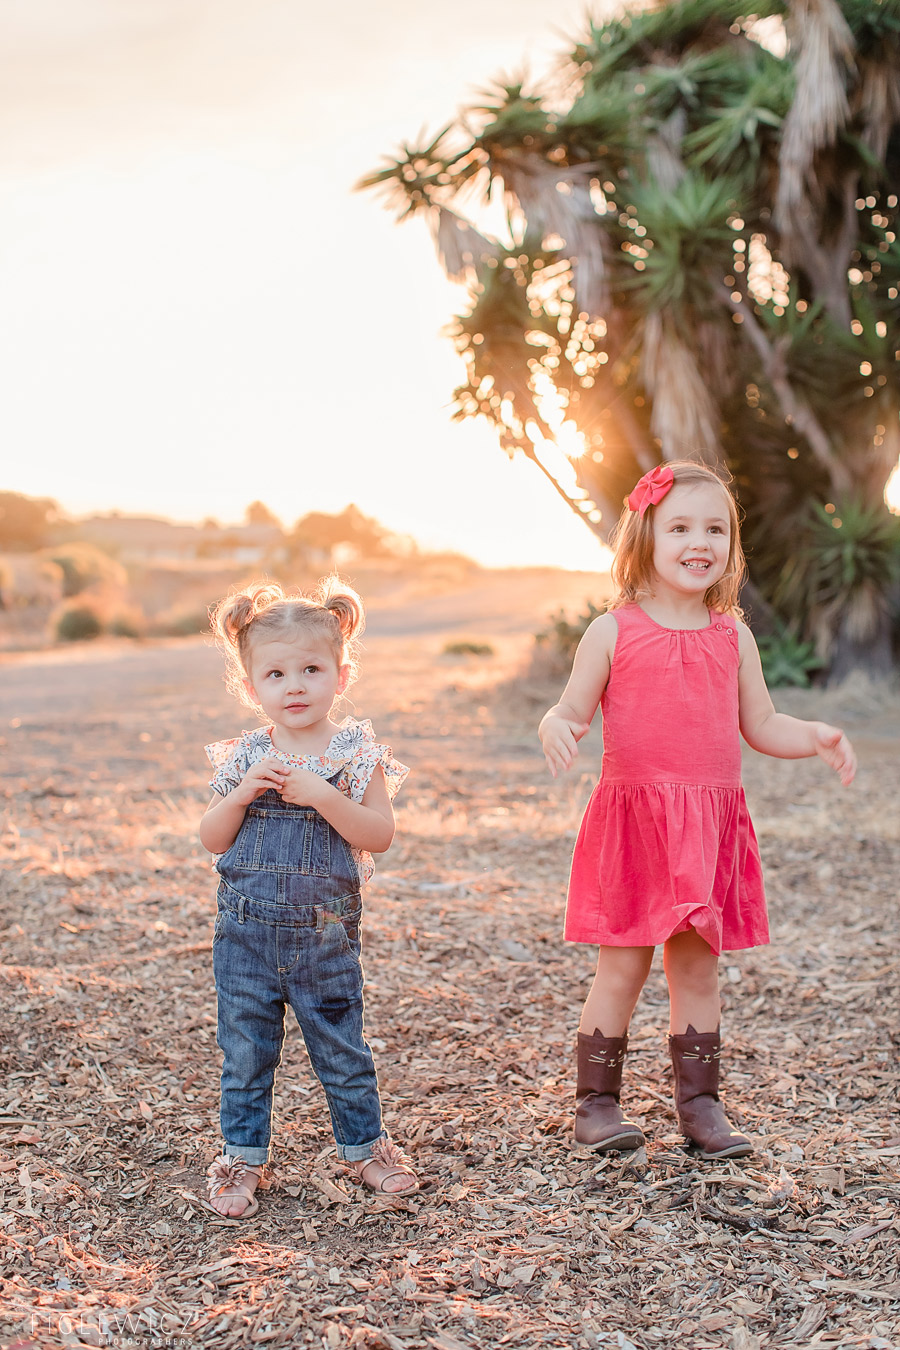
(873, 25)
(697, 79)
(689, 234)
(743, 126)
(636, 38)
(511, 117)
(422, 175)
(850, 549)
(604, 123)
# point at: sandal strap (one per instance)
(228, 1170)
(390, 1156)
(236, 1189)
(402, 1170)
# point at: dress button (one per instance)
(719, 626)
(729, 631)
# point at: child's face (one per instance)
(691, 538)
(295, 680)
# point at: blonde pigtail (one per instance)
(347, 607)
(230, 617)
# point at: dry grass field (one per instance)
(109, 1109)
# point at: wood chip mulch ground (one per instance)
(108, 1114)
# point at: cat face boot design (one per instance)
(695, 1059)
(599, 1121)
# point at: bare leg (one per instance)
(692, 972)
(621, 975)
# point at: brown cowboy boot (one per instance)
(695, 1059)
(599, 1122)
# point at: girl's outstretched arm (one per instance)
(777, 734)
(563, 725)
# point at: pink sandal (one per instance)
(390, 1156)
(226, 1173)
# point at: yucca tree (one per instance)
(699, 256)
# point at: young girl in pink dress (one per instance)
(666, 852)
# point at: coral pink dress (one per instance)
(666, 843)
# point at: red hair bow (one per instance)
(651, 488)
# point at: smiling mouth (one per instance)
(697, 564)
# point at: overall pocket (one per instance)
(297, 841)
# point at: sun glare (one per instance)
(892, 490)
(553, 410)
(559, 451)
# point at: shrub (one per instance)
(786, 659)
(181, 622)
(78, 623)
(129, 623)
(465, 647)
(843, 573)
(85, 565)
(563, 635)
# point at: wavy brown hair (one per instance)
(333, 609)
(632, 542)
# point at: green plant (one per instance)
(181, 623)
(78, 623)
(465, 647)
(700, 257)
(564, 635)
(787, 659)
(843, 573)
(85, 565)
(129, 623)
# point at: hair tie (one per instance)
(650, 490)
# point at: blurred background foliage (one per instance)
(685, 243)
(68, 579)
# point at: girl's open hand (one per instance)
(268, 773)
(833, 747)
(559, 738)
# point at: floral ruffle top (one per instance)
(353, 753)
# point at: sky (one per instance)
(197, 309)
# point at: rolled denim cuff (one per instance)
(358, 1152)
(253, 1157)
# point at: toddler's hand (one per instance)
(559, 738)
(302, 787)
(268, 773)
(833, 747)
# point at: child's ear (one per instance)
(250, 690)
(343, 678)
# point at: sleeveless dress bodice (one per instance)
(666, 843)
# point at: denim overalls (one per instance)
(287, 932)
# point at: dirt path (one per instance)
(109, 1113)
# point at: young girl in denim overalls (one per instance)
(300, 805)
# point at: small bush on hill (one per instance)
(468, 648)
(78, 623)
(128, 622)
(181, 622)
(85, 565)
(564, 634)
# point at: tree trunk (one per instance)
(874, 657)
